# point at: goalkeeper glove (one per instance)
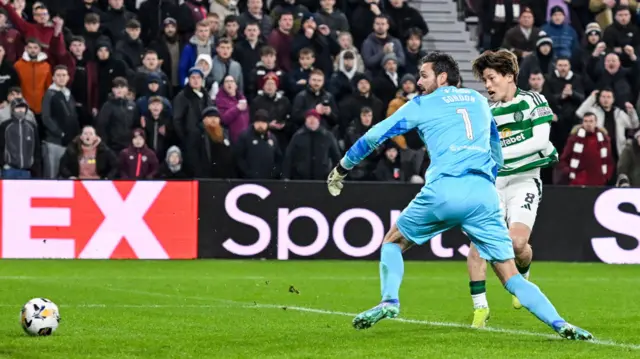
(334, 181)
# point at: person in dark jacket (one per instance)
(247, 51)
(542, 59)
(380, 43)
(92, 35)
(318, 38)
(413, 52)
(387, 83)
(8, 76)
(340, 83)
(130, 48)
(152, 14)
(191, 13)
(521, 39)
(60, 121)
(312, 152)
(117, 117)
(565, 39)
(255, 13)
(115, 20)
(332, 17)
(76, 16)
(358, 127)
(257, 152)
(107, 69)
(622, 33)
(87, 157)
(592, 41)
(154, 83)
(149, 70)
(169, 47)
(362, 97)
(277, 107)
(281, 39)
(298, 79)
(365, 11)
(607, 72)
(389, 168)
(317, 98)
(266, 65)
(215, 154)
(404, 17)
(138, 161)
(172, 169)
(156, 124)
(187, 116)
(20, 144)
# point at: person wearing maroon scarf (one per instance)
(191, 13)
(587, 159)
(138, 161)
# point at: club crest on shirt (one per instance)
(505, 133)
(518, 116)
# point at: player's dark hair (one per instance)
(503, 62)
(443, 63)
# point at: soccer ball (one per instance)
(39, 317)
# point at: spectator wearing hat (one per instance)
(257, 151)
(362, 96)
(205, 63)
(281, 39)
(564, 37)
(117, 117)
(622, 33)
(41, 29)
(169, 47)
(278, 108)
(150, 72)
(75, 17)
(172, 168)
(413, 52)
(564, 90)
(298, 79)
(188, 106)
(10, 39)
(215, 152)
(224, 64)
(233, 107)
(255, 14)
(312, 152)
(138, 161)
(266, 65)
(130, 48)
(156, 123)
(542, 59)
(317, 37)
(8, 76)
(552, 4)
(340, 83)
(385, 85)
(115, 20)
(35, 74)
(522, 38)
(592, 46)
(404, 17)
(378, 44)
(356, 129)
(247, 51)
(152, 15)
(20, 144)
(345, 41)
(587, 159)
(87, 157)
(191, 13)
(317, 98)
(629, 164)
(616, 120)
(332, 17)
(107, 69)
(200, 43)
(390, 168)
(59, 119)
(5, 111)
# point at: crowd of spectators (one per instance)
(583, 56)
(137, 89)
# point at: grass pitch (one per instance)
(296, 309)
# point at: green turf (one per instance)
(236, 309)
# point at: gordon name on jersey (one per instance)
(522, 148)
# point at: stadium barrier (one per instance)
(280, 220)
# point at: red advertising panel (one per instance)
(98, 219)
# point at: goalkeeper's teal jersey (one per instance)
(456, 126)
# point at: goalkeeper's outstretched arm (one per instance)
(402, 121)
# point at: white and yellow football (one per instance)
(39, 317)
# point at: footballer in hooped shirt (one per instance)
(459, 191)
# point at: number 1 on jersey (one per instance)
(467, 121)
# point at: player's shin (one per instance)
(391, 271)
(523, 260)
(477, 274)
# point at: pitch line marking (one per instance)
(401, 320)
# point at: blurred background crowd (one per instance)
(140, 89)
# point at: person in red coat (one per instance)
(138, 161)
(42, 29)
(587, 159)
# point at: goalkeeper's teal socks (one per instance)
(391, 271)
(534, 300)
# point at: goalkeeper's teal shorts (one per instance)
(471, 202)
